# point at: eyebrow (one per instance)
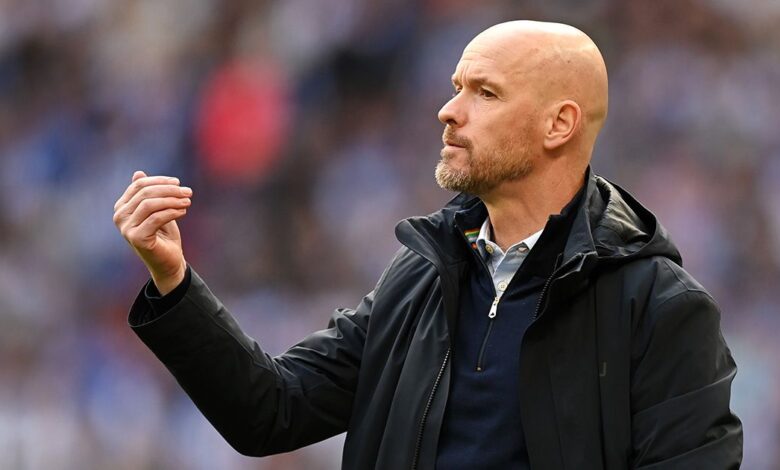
(478, 80)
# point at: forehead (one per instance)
(499, 60)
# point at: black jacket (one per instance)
(624, 367)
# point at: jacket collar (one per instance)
(608, 226)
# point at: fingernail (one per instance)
(186, 190)
(174, 180)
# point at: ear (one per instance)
(562, 124)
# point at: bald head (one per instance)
(559, 62)
(530, 99)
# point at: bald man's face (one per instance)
(526, 93)
(492, 123)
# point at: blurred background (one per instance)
(307, 129)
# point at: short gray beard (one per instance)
(452, 179)
(481, 180)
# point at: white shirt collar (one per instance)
(485, 235)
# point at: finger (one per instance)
(147, 207)
(150, 192)
(155, 222)
(124, 212)
(138, 174)
(140, 183)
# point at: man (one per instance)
(542, 319)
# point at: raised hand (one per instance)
(146, 216)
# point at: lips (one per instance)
(454, 141)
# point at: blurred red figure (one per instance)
(243, 121)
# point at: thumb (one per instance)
(138, 174)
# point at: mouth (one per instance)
(450, 139)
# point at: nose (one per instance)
(451, 113)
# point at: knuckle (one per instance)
(156, 217)
(131, 235)
(153, 190)
(145, 205)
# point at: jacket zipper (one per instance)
(544, 289)
(427, 410)
(491, 317)
(541, 296)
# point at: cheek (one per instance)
(523, 133)
(501, 127)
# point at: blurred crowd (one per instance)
(307, 129)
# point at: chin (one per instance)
(451, 178)
(455, 157)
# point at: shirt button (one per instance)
(489, 249)
(522, 248)
(502, 286)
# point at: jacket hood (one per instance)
(617, 227)
(610, 226)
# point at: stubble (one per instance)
(484, 171)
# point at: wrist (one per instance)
(168, 282)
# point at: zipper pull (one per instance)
(494, 308)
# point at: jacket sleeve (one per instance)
(681, 380)
(260, 404)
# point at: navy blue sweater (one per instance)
(482, 426)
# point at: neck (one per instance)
(520, 208)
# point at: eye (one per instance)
(486, 93)
(455, 92)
